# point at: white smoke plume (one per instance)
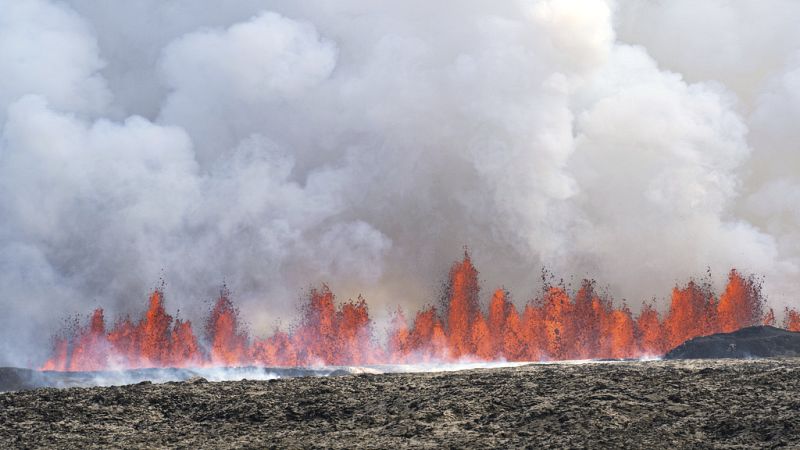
(277, 144)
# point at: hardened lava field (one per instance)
(648, 404)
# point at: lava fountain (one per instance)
(553, 326)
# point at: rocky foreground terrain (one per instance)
(656, 404)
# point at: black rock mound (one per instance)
(750, 342)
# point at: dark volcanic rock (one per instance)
(751, 342)
(654, 404)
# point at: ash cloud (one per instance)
(277, 144)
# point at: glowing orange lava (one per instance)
(554, 326)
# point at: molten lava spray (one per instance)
(554, 326)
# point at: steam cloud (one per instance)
(277, 144)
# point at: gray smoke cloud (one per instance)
(278, 144)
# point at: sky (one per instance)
(277, 145)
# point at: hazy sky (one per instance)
(275, 145)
